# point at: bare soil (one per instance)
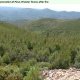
(62, 74)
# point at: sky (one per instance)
(58, 5)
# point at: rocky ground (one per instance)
(62, 74)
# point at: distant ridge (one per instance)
(13, 14)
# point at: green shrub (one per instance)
(77, 61)
(1, 61)
(73, 56)
(61, 62)
(3, 74)
(2, 51)
(44, 65)
(29, 46)
(53, 56)
(57, 47)
(33, 74)
(43, 55)
(32, 62)
(14, 76)
(6, 58)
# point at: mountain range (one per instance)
(13, 14)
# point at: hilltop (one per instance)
(48, 23)
(13, 14)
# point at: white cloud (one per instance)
(53, 6)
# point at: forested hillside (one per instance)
(13, 14)
(38, 45)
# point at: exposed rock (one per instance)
(62, 74)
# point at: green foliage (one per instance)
(53, 56)
(2, 74)
(44, 43)
(61, 62)
(43, 55)
(57, 47)
(25, 66)
(6, 58)
(14, 77)
(73, 56)
(44, 65)
(29, 45)
(33, 74)
(2, 51)
(77, 61)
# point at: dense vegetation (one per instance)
(41, 44)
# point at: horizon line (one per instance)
(37, 9)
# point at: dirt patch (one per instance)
(62, 74)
